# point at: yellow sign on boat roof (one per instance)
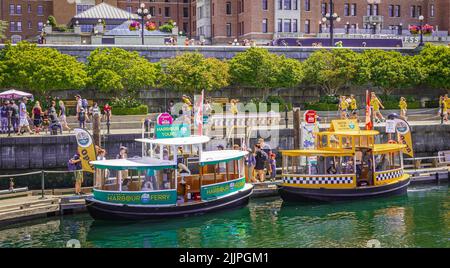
(344, 125)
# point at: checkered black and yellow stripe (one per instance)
(318, 180)
(385, 176)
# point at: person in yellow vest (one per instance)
(343, 107)
(403, 107)
(376, 104)
(446, 107)
(353, 106)
(233, 107)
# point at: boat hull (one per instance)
(298, 194)
(105, 211)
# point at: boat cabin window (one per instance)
(335, 141)
(318, 165)
(364, 141)
(134, 180)
(387, 161)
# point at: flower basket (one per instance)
(427, 29)
(134, 26)
(150, 26)
(414, 29)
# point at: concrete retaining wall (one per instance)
(54, 152)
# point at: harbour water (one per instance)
(420, 219)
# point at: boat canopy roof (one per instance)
(138, 163)
(214, 157)
(177, 141)
(319, 152)
(387, 148)
(351, 133)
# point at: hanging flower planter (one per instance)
(427, 29)
(414, 29)
(150, 26)
(134, 26)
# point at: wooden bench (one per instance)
(222, 101)
(72, 104)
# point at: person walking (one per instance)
(4, 117)
(376, 104)
(403, 107)
(37, 117)
(54, 122)
(23, 117)
(15, 118)
(343, 107)
(62, 116)
(445, 107)
(353, 107)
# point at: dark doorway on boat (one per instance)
(364, 167)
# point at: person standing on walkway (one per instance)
(81, 115)
(250, 163)
(37, 117)
(376, 104)
(261, 159)
(75, 166)
(54, 122)
(403, 108)
(343, 107)
(273, 166)
(445, 107)
(4, 117)
(353, 107)
(62, 116)
(23, 117)
(15, 119)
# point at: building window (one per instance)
(280, 25)
(242, 6)
(12, 26)
(129, 9)
(29, 8)
(12, 9)
(346, 9)
(228, 8)
(307, 5)
(369, 10)
(324, 9)
(152, 11)
(353, 10)
(167, 12)
(294, 26)
(185, 12)
(30, 26)
(41, 25)
(295, 4)
(419, 11)
(19, 9)
(307, 26)
(265, 5)
(19, 26)
(375, 10)
(40, 10)
(391, 10)
(413, 11)
(432, 10)
(287, 5)
(287, 26)
(397, 11)
(265, 27)
(280, 4)
(228, 29)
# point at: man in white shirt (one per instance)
(23, 117)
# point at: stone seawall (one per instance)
(55, 151)
(156, 53)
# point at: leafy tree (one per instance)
(390, 70)
(332, 70)
(117, 71)
(290, 72)
(434, 62)
(3, 26)
(192, 72)
(25, 66)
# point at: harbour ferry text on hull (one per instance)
(346, 164)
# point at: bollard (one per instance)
(42, 184)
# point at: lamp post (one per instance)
(331, 17)
(421, 18)
(400, 29)
(143, 13)
(347, 27)
(374, 29)
(320, 26)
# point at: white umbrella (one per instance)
(15, 94)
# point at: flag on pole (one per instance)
(198, 113)
(369, 123)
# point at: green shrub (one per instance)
(140, 110)
(125, 102)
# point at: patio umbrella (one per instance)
(15, 94)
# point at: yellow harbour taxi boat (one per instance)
(346, 164)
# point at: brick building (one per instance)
(222, 21)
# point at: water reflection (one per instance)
(420, 219)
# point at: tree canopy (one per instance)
(117, 71)
(3, 26)
(434, 62)
(25, 66)
(192, 72)
(332, 70)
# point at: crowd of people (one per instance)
(260, 162)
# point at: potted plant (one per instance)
(414, 29)
(150, 26)
(427, 29)
(134, 26)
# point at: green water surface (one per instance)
(419, 219)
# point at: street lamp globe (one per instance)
(335, 15)
(139, 11)
(142, 5)
(324, 19)
(149, 16)
(145, 11)
(327, 15)
(421, 17)
(338, 19)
